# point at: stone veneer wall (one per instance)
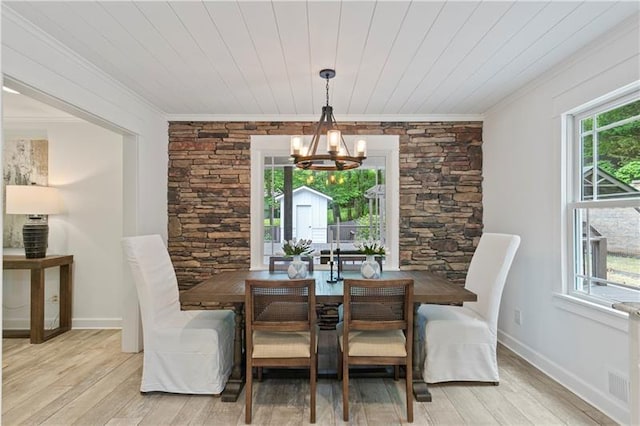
(209, 193)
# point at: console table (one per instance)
(37, 333)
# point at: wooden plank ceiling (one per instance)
(392, 58)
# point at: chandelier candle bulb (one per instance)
(296, 145)
(333, 140)
(360, 148)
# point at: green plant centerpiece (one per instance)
(370, 268)
(370, 247)
(297, 247)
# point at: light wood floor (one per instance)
(81, 377)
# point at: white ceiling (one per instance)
(16, 107)
(248, 58)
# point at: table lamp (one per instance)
(36, 202)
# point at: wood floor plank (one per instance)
(63, 369)
(531, 407)
(165, 410)
(377, 402)
(84, 402)
(441, 410)
(22, 412)
(225, 413)
(107, 407)
(357, 414)
(501, 408)
(137, 406)
(470, 408)
(396, 391)
(117, 421)
(81, 377)
(324, 403)
(194, 411)
(531, 384)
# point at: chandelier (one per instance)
(337, 156)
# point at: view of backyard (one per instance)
(610, 233)
(345, 206)
(624, 270)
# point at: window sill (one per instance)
(593, 311)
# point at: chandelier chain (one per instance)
(327, 89)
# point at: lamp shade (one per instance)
(33, 200)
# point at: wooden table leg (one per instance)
(236, 381)
(420, 389)
(37, 305)
(65, 297)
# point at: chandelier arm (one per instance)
(315, 141)
(335, 123)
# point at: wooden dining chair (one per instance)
(354, 262)
(280, 318)
(377, 329)
(281, 263)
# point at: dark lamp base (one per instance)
(35, 237)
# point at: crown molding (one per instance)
(39, 120)
(339, 118)
(8, 13)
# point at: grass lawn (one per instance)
(624, 270)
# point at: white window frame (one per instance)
(377, 145)
(573, 202)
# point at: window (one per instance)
(365, 200)
(604, 200)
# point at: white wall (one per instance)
(48, 69)
(523, 183)
(85, 163)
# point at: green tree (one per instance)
(629, 172)
(347, 192)
(619, 146)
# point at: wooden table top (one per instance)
(228, 287)
(11, 261)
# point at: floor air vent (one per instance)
(619, 386)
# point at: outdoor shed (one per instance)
(309, 214)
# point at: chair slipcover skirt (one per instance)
(195, 358)
(456, 345)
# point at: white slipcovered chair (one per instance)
(459, 342)
(184, 351)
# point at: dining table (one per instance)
(225, 290)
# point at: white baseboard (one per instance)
(596, 397)
(90, 323)
(76, 323)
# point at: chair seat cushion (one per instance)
(452, 324)
(380, 343)
(282, 344)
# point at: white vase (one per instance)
(370, 268)
(297, 268)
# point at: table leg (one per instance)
(420, 389)
(66, 295)
(37, 305)
(236, 381)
